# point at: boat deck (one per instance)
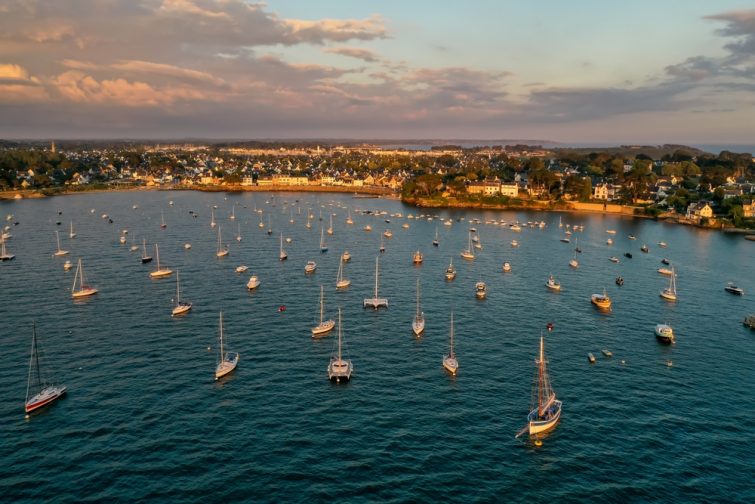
(375, 303)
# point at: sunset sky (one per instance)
(580, 71)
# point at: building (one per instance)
(699, 210)
(510, 189)
(606, 192)
(486, 188)
(748, 209)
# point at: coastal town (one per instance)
(672, 182)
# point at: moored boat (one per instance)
(546, 413)
(39, 391)
(733, 289)
(602, 301)
(664, 333)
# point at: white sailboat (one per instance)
(160, 271)
(553, 284)
(339, 369)
(349, 220)
(547, 412)
(39, 392)
(212, 219)
(163, 225)
(238, 236)
(325, 326)
(181, 307)
(376, 302)
(60, 252)
(228, 360)
(435, 240)
(282, 256)
(330, 228)
(469, 252)
(449, 360)
(233, 212)
(418, 324)
(669, 293)
(222, 251)
(71, 233)
(341, 282)
(84, 290)
(4, 254)
(573, 262)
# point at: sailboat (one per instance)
(339, 369)
(325, 326)
(269, 226)
(163, 225)
(145, 258)
(382, 244)
(71, 233)
(181, 307)
(418, 324)
(212, 219)
(574, 263)
(228, 360)
(238, 236)
(469, 252)
(330, 228)
(349, 220)
(480, 290)
(4, 254)
(160, 272)
(341, 282)
(323, 246)
(59, 252)
(435, 241)
(233, 212)
(375, 302)
(222, 251)
(84, 290)
(547, 412)
(39, 392)
(669, 293)
(449, 361)
(282, 256)
(417, 257)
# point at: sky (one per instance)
(583, 71)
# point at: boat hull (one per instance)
(181, 309)
(323, 328)
(541, 426)
(45, 397)
(451, 365)
(84, 292)
(226, 367)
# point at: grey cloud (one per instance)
(356, 52)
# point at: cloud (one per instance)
(18, 87)
(150, 68)
(356, 52)
(337, 30)
(740, 24)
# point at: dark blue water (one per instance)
(144, 419)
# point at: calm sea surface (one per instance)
(145, 420)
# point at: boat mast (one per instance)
(321, 303)
(339, 335)
(452, 335)
(417, 316)
(157, 253)
(144, 245)
(57, 236)
(376, 278)
(221, 336)
(540, 379)
(33, 360)
(178, 289)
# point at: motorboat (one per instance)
(602, 301)
(253, 282)
(553, 284)
(733, 289)
(310, 267)
(481, 290)
(664, 333)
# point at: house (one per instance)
(247, 180)
(510, 189)
(489, 187)
(699, 210)
(748, 209)
(605, 191)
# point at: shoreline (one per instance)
(387, 193)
